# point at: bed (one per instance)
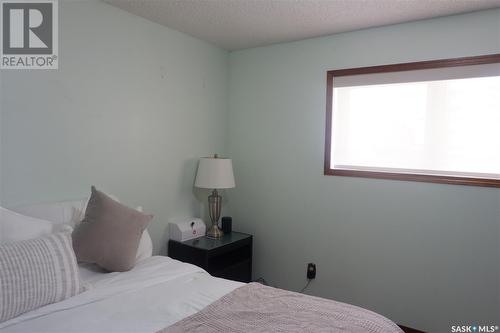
(160, 294)
(157, 293)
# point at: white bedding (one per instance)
(158, 292)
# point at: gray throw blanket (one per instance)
(257, 308)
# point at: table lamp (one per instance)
(214, 173)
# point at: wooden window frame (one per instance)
(442, 63)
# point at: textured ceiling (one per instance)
(239, 24)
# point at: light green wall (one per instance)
(425, 255)
(131, 108)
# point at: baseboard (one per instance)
(410, 330)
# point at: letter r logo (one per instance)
(27, 27)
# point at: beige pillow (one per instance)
(109, 234)
(36, 272)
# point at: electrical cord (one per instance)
(307, 285)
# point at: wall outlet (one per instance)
(311, 271)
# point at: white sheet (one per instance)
(158, 292)
(91, 273)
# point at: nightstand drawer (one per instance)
(240, 271)
(229, 257)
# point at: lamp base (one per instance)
(214, 232)
(214, 205)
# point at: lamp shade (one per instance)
(215, 173)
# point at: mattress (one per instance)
(157, 293)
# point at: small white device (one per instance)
(185, 228)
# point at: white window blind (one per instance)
(443, 121)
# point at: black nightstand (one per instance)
(229, 257)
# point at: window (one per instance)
(434, 121)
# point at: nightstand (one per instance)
(229, 257)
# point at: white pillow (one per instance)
(145, 249)
(62, 212)
(16, 227)
(72, 213)
(37, 272)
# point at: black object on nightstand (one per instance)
(229, 257)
